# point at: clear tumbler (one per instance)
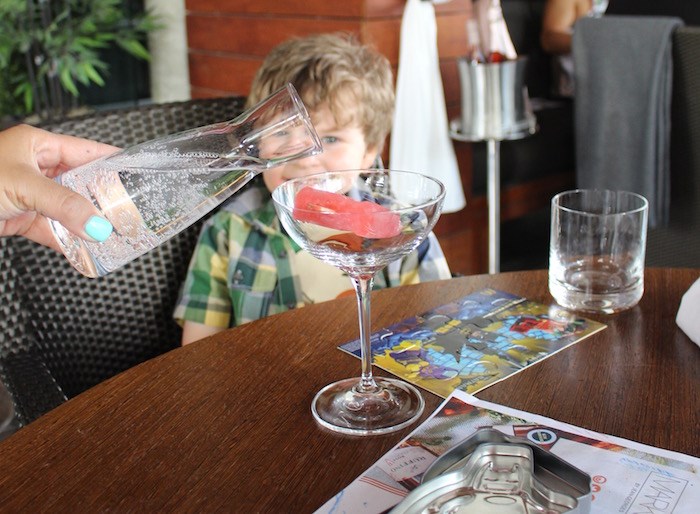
(597, 248)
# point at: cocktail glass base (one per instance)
(343, 407)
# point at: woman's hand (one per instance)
(30, 158)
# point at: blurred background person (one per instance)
(557, 29)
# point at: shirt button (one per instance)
(291, 306)
(282, 254)
(237, 276)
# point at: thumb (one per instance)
(73, 211)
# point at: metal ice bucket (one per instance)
(495, 102)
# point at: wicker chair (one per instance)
(62, 333)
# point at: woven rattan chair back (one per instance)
(62, 333)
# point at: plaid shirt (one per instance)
(241, 271)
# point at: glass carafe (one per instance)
(154, 190)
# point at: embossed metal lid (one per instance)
(494, 473)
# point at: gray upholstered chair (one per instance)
(678, 244)
(62, 333)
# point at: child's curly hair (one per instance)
(354, 79)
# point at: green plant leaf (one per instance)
(93, 74)
(87, 26)
(24, 90)
(67, 82)
(135, 48)
(88, 42)
(42, 41)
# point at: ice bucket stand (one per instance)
(495, 108)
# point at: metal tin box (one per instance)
(491, 472)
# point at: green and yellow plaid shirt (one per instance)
(240, 270)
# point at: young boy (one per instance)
(245, 266)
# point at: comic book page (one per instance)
(626, 476)
(474, 342)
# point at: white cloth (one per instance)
(688, 317)
(420, 139)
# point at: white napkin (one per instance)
(688, 317)
(420, 139)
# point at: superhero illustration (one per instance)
(474, 342)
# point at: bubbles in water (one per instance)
(149, 203)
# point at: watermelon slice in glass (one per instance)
(339, 212)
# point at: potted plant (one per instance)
(49, 49)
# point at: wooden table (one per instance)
(224, 425)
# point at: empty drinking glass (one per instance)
(597, 248)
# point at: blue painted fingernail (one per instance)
(98, 228)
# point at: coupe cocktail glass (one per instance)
(154, 190)
(360, 221)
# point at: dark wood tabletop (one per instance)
(224, 425)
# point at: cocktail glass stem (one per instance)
(366, 405)
(363, 288)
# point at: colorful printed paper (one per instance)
(474, 342)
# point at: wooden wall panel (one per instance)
(326, 8)
(385, 35)
(253, 36)
(452, 36)
(394, 8)
(203, 92)
(234, 29)
(335, 9)
(450, 83)
(221, 75)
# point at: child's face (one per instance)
(343, 149)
